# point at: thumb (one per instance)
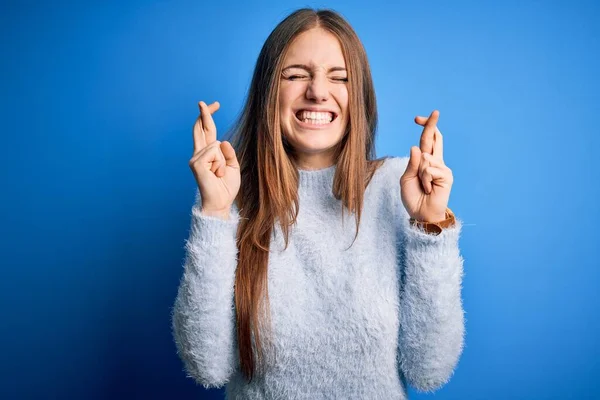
(412, 169)
(229, 154)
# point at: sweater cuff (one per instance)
(212, 230)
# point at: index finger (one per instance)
(210, 129)
(213, 107)
(426, 143)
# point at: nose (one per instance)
(317, 89)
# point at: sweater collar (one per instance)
(318, 179)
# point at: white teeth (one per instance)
(315, 117)
(315, 121)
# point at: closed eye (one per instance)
(294, 77)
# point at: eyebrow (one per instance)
(307, 68)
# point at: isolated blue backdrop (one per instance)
(97, 105)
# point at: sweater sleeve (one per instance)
(431, 336)
(203, 316)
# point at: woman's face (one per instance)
(313, 98)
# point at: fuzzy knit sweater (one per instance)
(359, 322)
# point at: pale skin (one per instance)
(314, 77)
(427, 181)
(214, 165)
(425, 185)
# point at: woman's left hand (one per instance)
(426, 183)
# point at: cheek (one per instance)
(341, 95)
(287, 95)
(286, 100)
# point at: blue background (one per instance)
(98, 101)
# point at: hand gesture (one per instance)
(426, 183)
(214, 165)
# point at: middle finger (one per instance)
(426, 143)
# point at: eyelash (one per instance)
(292, 78)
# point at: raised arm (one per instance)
(203, 317)
(431, 314)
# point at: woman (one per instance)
(312, 269)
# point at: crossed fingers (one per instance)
(204, 129)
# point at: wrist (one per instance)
(436, 219)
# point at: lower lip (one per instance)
(308, 125)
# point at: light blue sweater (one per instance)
(347, 324)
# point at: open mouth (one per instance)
(316, 118)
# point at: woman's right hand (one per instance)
(214, 165)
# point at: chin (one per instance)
(314, 142)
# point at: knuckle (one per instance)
(194, 158)
(194, 163)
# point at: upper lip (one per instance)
(315, 109)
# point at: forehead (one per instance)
(316, 48)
